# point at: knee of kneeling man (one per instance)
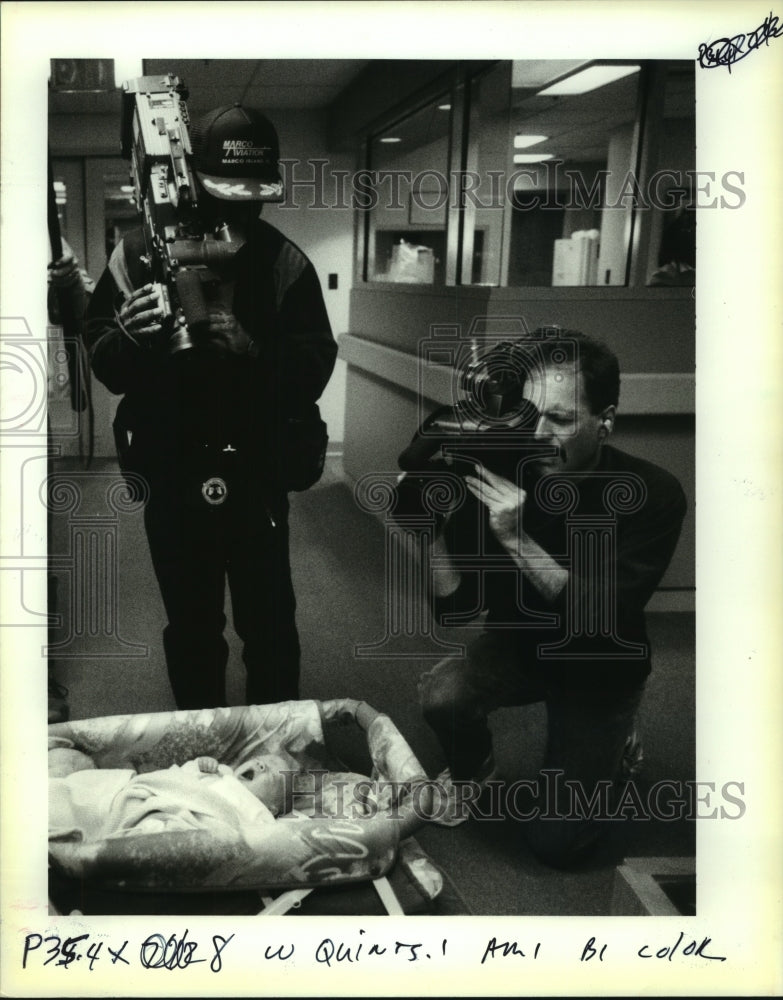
(440, 696)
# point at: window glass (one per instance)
(673, 228)
(533, 179)
(406, 239)
(552, 154)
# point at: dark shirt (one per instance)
(615, 529)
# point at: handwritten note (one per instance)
(155, 952)
(179, 951)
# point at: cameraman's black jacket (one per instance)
(177, 407)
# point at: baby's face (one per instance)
(263, 777)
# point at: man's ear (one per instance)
(607, 421)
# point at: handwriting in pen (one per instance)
(726, 51)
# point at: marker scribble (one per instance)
(727, 51)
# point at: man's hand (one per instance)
(65, 272)
(227, 333)
(207, 765)
(142, 314)
(505, 502)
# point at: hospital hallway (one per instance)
(337, 554)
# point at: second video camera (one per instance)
(492, 426)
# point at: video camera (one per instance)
(181, 255)
(492, 426)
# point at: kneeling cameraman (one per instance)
(565, 604)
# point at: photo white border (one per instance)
(739, 302)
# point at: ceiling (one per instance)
(578, 127)
(263, 83)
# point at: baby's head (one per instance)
(264, 776)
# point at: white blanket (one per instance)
(95, 804)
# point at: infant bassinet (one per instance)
(339, 845)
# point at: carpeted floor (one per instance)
(338, 560)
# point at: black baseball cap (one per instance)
(236, 153)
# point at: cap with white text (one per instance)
(236, 153)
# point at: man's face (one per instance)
(237, 214)
(565, 421)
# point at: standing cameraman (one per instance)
(565, 621)
(216, 423)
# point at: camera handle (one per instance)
(191, 298)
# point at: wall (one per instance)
(652, 330)
(325, 234)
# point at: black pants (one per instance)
(195, 548)
(586, 734)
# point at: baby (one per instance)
(269, 777)
(89, 803)
(202, 785)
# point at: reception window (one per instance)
(535, 173)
